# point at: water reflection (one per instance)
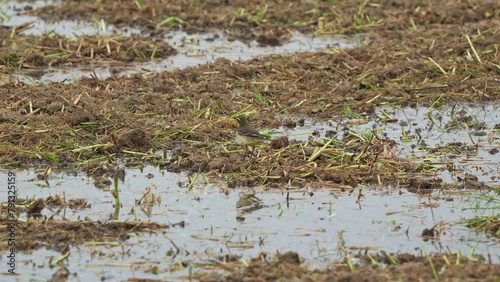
(246, 204)
(321, 226)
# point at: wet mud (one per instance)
(435, 54)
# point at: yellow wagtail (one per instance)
(248, 135)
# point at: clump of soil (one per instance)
(134, 139)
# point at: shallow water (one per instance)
(193, 49)
(202, 50)
(431, 122)
(18, 13)
(322, 226)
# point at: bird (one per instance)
(247, 134)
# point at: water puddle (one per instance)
(419, 131)
(212, 220)
(193, 49)
(196, 49)
(16, 13)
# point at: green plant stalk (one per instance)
(372, 260)
(193, 181)
(429, 259)
(316, 155)
(349, 263)
(438, 66)
(436, 101)
(474, 50)
(117, 195)
(153, 53)
(57, 261)
(392, 260)
(373, 99)
(135, 153)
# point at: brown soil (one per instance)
(414, 53)
(39, 232)
(288, 267)
(31, 53)
(60, 235)
(91, 118)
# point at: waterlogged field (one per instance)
(201, 224)
(119, 159)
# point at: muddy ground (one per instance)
(411, 54)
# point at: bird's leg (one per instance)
(258, 153)
(246, 152)
(251, 152)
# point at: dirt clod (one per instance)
(135, 139)
(280, 142)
